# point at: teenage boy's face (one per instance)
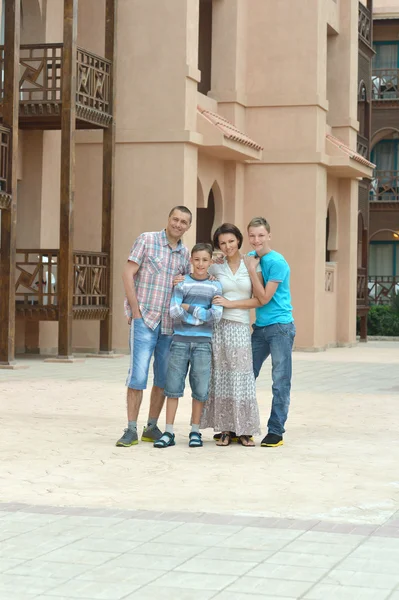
(201, 262)
(259, 238)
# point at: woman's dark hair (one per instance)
(227, 228)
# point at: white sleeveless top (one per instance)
(236, 286)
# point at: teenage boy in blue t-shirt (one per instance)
(274, 329)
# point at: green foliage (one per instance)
(395, 303)
(384, 320)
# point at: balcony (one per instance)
(382, 289)
(5, 198)
(40, 88)
(36, 289)
(385, 187)
(364, 24)
(385, 85)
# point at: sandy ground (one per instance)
(59, 424)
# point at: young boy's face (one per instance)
(259, 238)
(201, 262)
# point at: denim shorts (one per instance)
(197, 356)
(143, 343)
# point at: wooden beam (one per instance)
(68, 117)
(109, 174)
(12, 21)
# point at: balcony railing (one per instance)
(364, 24)
(361, 287)
(385, 186)
(382, 289)
(37, 282)
(5, 198)
(40, 85)
(385, 85)
(362, 146)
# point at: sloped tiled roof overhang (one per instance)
(229, 130)
(343, 157)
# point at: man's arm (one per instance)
(128, 274)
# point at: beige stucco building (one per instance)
(285, 77)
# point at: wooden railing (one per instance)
(364, 24)
(381, 289)
(5, 198)
(361, 295)
(362, 146)
(385, 186)
(385, 84)
(40, 86)
(91, 273)
(37, 279)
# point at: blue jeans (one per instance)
(275, 340)
(143, 343)
(199, 357)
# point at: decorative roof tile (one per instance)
(351, 153)
(229, 130)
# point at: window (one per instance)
(384, 259)
(385, 70)
(205, 46)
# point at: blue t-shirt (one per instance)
(279, 310)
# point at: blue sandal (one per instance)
(167, 439)
(195, 440)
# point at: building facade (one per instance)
(235, 108)
(384, 193)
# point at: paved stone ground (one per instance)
(317, 518)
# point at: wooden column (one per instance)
(9, 217)
(109, 174)
(68, 117)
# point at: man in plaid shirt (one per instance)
(155, 259)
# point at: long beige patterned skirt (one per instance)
(232, 404)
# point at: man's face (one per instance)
(259, 238)
(178, 223)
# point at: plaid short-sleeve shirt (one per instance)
(159, 264)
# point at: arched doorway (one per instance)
(205, 219)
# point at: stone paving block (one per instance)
(27, 552)
(339, 550)
(332, 538)
(361, 579)
(137, 530)
(104, 545)
(152, 592)
(174, 550)
(367, 565)
(134, 560)
(46, 569)
(206, 529)
(219, 567)
(20, 584)
(187, 539)
(196, 581)
(272, 587)
(236, 554)
(244, 596)
(266, 545)
(324, 591)
(94, 590)
(287, 572)
(85, 557)
(9, 563)
(299, 559)
(115, 571)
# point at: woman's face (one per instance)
(228, 243)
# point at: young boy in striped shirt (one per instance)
(193, 316)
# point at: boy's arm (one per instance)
(208, 315)
(264, 293)
(250, 303)
(177, 308)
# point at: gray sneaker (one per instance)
(151, 434)
(129, 438)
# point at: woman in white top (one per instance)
(232, 407)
